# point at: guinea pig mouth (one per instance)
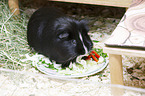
(67, 62)
(72, 59)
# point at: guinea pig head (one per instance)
(69, 40)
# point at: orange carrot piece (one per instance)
(88, 57)
(94, 57)
(96, 54)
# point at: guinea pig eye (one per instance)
(74, 42)
(63, 35)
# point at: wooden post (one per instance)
(116, 72)
(14, 6)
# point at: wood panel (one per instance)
(14, 6)
(122, 51)
(130, 32)
(117, 3)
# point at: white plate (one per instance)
(53, 73)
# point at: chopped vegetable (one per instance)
(94, 58)
(51, 66)
(92, 53)
(88, 57)
(100, 52)
(96, 54)
(95, 41)
(93, 61)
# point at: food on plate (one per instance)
(95, 60)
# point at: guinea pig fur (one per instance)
(57, 36)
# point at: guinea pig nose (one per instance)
(74, 42)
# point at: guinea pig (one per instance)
(57, 36)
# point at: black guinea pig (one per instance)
(57, 36)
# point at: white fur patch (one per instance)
(86, 50)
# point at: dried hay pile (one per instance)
(13, 44)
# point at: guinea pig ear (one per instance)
(63, 35)
(83, 21)
(84, 24)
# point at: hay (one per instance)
(13, 44)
